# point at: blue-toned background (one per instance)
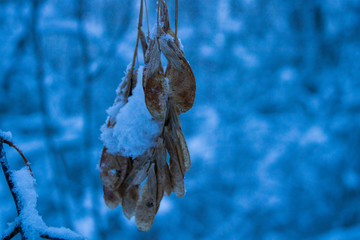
(274, 134)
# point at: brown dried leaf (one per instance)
(182, 85)
(146, 208)
(154, 84)
(112, 198)
(130, 186)
(162, 172)
(123, 92)
(173, 148)
(130, 199)
(164, 13)
(138, 172)
(143, 41)
(155, 96)
(128, 84)
(184, 149)
(177, 178)
(178, 134)
(113, 169)
(177, 168)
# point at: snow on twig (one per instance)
(29, 223)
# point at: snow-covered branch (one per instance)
(22, 187)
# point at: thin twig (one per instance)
(176, 17)
(11, 144)
(9, 180)
(138, 36)
(158, 12)
(46, 236)
(147, 19)
(12, 233)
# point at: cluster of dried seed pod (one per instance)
(167, 94)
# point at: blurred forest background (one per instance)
(274, 134)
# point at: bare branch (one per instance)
(15, 229)
(17, 226)
(11, 144)
(10, 183)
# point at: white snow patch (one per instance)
(135, 129)
(32, 224)
(24, 187)
(5, 135)
(167, 37)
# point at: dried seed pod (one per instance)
(166, 96)
(184, 149)
(146, 208)
(130, 199)
(144, 45)
(124, 91)
(138, 172)
(113, 169)
(182, 85)
(177, 178)
(177, 130)
(129, 82)
(162, 172)
(164, 13)
(154, 83)
(177, 168)
(112, 198)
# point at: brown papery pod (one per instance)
(154, 84)
(126, 87)
(177, 168)
(143, 41)
(130, 187)
(138, 172)
(146, 208)
(112, 198)
(178, 135)
(130, 200)
(162, 172)
(182, 85)
(164, 16)
(113, 169)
